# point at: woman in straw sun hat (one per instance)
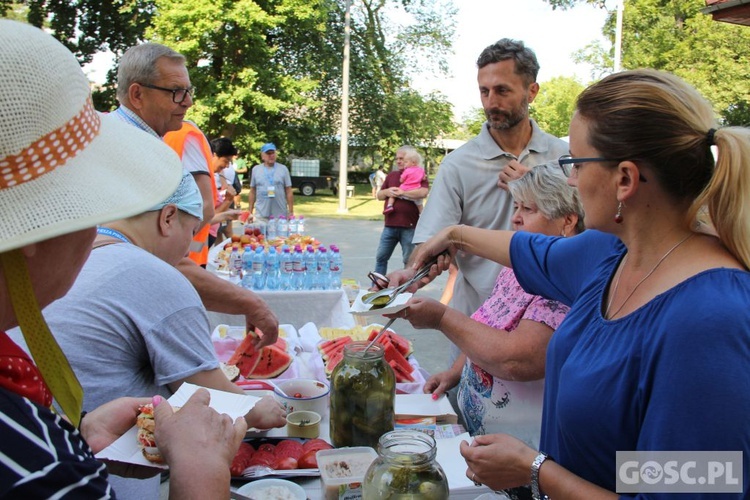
(64, 169)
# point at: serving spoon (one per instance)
(394, 292)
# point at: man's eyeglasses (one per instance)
(178, 95)
(569, 165)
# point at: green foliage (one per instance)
(567, 4)
(90, 26)
(676, 36)
(555, 103)
(270, 70)
(472, 123)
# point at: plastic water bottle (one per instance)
(247, 268)
(334, 263)
(298, 267)
(323, 280)
(286, 268)
(282, 227)
(271, 228)
(272, 269)
(259, 271)
(311, 268)
(235, 262)
(301, 224)
(292, 225)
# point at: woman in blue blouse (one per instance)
(655, 351)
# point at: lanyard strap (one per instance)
(270, 177)
(128, 116)
(49, 358)
(106, 231)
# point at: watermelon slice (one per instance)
(401, 375)
(403, 345)
(333, 361)
(281, 344)
(245, 348)
(392, 354)
(327, 346)
(272, 362)
(335, 350)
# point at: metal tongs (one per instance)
(421, 273)
(395, 292)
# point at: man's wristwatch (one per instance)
(536, 494)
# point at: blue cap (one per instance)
(269, 146)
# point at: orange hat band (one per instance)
(51, 150)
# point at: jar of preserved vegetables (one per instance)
(405, 468)
(363, 396)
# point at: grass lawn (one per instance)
(361, 206)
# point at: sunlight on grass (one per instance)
(361, 206)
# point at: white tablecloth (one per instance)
(321, 307)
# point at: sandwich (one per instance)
(146, 426)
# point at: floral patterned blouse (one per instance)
(490, 404)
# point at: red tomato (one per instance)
(239, 464)
(289, 448)
(246, 449)
(315, 444)
(267, 447)
(308, 460)
(285, 463)
(262, 458)
(241, 459)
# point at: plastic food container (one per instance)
(342, 471)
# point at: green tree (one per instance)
(386, 39)
(555, 103)
(676, 36)
(245, 58)
(271, 69)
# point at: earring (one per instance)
(618, 215)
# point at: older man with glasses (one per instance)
(154, 90)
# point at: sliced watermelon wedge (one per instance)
(401, 375)
(272, 362)
(245, 348)
(392, 354)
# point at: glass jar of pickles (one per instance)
(363, 396)
(405, 468)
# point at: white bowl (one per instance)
(313, 395)
(255, 488)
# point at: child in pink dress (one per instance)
(411, 178)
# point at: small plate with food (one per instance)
(271, 489)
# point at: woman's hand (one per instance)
(440, 383)
(266, 414)
(422, 313)
(435, 246)
(499, 461)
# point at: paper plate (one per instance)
(361, 309)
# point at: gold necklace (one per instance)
(619, 274)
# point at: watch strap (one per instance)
(536, 493)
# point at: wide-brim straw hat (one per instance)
(63, 166)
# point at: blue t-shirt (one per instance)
(674, 375)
